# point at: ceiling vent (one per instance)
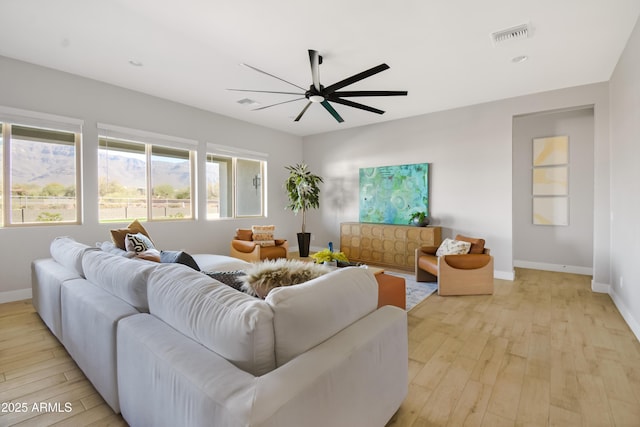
(248, 102)
(514, 33)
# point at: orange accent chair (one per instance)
(243, 246)
(465, 274)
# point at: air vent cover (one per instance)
(248, 102)
(514, 33)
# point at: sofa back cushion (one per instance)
(230, 323)
(68, 253)
(307, 314)
(122, 277)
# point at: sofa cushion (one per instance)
(68, 253)
(111, 248)
(453, 247)
(209, 262)
(477, 245)
(123, 277)
(307, 314)
(235, 325)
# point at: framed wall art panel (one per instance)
(551, 181)
(551, 151)
(551, 210)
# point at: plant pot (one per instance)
(418, 223)
(304, 241)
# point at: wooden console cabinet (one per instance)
(386, 244)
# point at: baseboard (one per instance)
(626, 313)
(19, 295)
(602, 288)
(587, 271)
(504, 275)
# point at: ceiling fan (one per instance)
(317, 93)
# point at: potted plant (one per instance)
(419, 219)
(304, 193)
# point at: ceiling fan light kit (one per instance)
(318, 94)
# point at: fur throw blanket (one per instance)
(266, 275)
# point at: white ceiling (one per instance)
(438, 50)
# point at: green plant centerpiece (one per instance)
(419, 219)
(304, 193)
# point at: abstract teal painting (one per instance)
(390, 194)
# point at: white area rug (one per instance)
(416, 291)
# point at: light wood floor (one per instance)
(542, 351)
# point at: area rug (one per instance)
(416, 291)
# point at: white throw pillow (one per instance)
(453, 247)
(137, 243)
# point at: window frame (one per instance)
(149, 184)
(234, 154)
(10, 117)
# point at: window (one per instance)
(235, 187)
(249, 187)
(122, 180)
(144, 181)
(219, 184)
(40, 180)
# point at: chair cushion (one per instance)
(273, 252)
(467, 262)
(428, 263)
(243, 245)
(244, 234)
(477, 245)
(263, 234)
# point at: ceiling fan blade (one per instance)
(297, 119)
(266, 91)
(355, 78)
(279, 103)
(355, 105)
(331, 110)
(348, 94)
(314, 59)
(275, 77)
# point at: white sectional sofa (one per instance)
(166, 345)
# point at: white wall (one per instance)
(625, 176)
(470, 151)
(556, 248)
(39, 89)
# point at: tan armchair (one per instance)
(468, 274)
(243, 246)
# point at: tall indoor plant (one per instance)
(304, 193)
